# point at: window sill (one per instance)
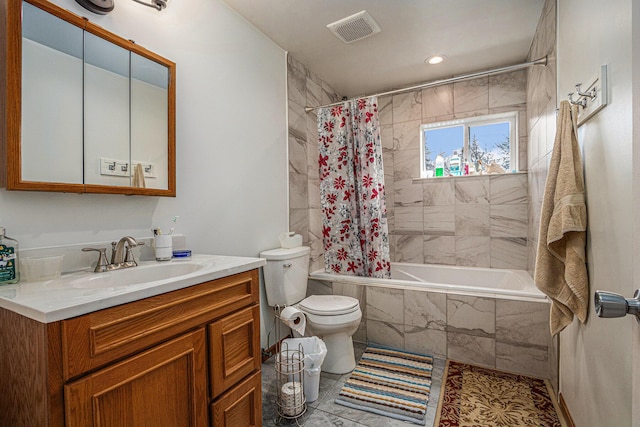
(418, 180)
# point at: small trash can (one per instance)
(315, 351)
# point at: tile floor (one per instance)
(325, 412)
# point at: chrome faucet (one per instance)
(119, 258)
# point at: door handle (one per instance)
(608, 304)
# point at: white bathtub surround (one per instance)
(492, 328)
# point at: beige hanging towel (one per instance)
(138, 177)
(561, 271)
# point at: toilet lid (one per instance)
(329, 305)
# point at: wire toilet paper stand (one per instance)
(291, 402)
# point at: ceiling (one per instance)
(474, 35)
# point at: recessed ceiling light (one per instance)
(435, 59)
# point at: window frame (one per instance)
(467, 123)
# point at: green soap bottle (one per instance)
(9, 266)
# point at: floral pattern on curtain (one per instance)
(354, 214)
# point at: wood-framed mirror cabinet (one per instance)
(85, 110)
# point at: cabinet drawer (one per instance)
(95, 339)
(234, 350)
(240, 406)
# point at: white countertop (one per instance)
(73, 294)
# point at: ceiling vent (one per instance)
(355, 27)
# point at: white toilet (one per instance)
(333, 318)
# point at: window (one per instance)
(485, 144)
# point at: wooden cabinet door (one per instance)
(240, 406)
(235, 348)
(165, 386)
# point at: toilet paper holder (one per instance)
(609, 304)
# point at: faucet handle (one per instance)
(129, 258)
(102, 264)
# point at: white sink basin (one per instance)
(135, 275)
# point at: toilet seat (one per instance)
(329, 305)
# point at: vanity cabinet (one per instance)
(190, 357)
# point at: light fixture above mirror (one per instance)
(102, 7)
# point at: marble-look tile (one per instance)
(471, 315)
(425, 341)
(437, 101)
(314, 93)
(329, 94)
(360, 335)
(313, 192)
(472, 190)
(530, 361)
(299, 222)
(471, 95)
(297, 120)
(471, 349)
(385, 110)
(324, 419)
(523, 154)
(425, 309)
(509, 252)
(408, 220)
(407, 192)
(440, 250)
(319, 287)
(386, 138)
(439, 192)
(406, 164)
(408, 248)
(324, 387)
(509, 220)
(508, 188)
(522, 322)
(473, 251)
(298, 196)
(407, 106)
(351, 290)
(296, 82)
(385, 333)
(385, 304)
(507, 89)
(439, 220)
(472, 220)
(316, 261)
(297, 155)
(406, 135)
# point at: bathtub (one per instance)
(472, 281)
(484, 316)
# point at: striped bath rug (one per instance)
(390, 382)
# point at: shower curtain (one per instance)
(354, 215)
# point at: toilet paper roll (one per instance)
(292, 398)
(294, 318)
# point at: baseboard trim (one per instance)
(268, 352)
(565, 411)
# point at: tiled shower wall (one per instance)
(474, 221)
(305, 89)
(541, 122)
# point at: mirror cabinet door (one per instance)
(150, 121)
(51, 125)
(106, 113)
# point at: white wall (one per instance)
(595, 359)
(231, 140)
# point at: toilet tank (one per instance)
(286, 274)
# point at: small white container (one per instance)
(38, 269)
(163, 245)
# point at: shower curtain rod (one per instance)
(463, 77)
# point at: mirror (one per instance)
(96, 112)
